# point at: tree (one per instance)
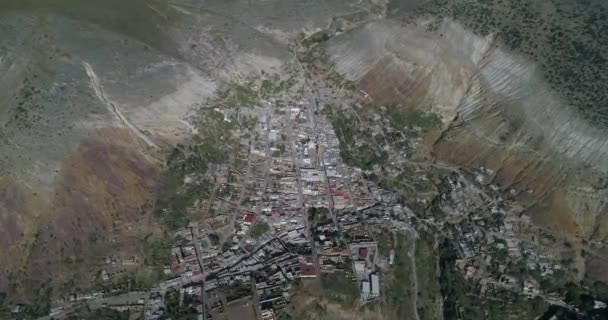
(260, 229)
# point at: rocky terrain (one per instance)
(93, 94)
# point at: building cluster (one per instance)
(494, 243)
(314, 212)
(285, 209)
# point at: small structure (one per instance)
(363, 253)
(248, 219)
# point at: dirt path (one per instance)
(412, 255)
(97, 86)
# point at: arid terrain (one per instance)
(97, 96)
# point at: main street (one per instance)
(198, 249)
(303, 209)
(266, 172)
(243, 192)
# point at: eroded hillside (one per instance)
(497, 112)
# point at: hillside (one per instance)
(91, 98)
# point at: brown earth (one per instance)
(389, 82)
(104, 193)
(72, 193)
(595, 266)
(243, 310)
(470, 146)
(311, 305)
(535, 178)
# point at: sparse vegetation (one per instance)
(358, 146)
(399, 293)
(363, 142)
(213, 144)
(340, 81)
(4, 308)
(179, 311)
(602, 181)
(339, 288)
(237, 290)
(40, 304)
(214, 238)
(28, 112)
(385, 242)
(564, 37)
(101, 314)
(156, 249)
(318, 215)
(429, 293)
(453, 285)
(316, 38)
(259, 229)
(184, 179)
(314, 310)
(281, 149)
(139, 279)
(410, 120)
(507, 305)
(239, 95)
(462, 297)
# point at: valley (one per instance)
(188, 158)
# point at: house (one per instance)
(360, 269)
(248, 219)
(307, 270)
(363, 253)
(268, 315)
(365, 290)
(375, 285)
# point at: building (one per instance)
(360, 269)
(248, 219)
(268, 315)
(308, 270)
(365, 290)
(363, 253)
(375, 282)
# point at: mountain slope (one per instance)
(92, 93)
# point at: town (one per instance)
(293, 214)
(285, 211)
